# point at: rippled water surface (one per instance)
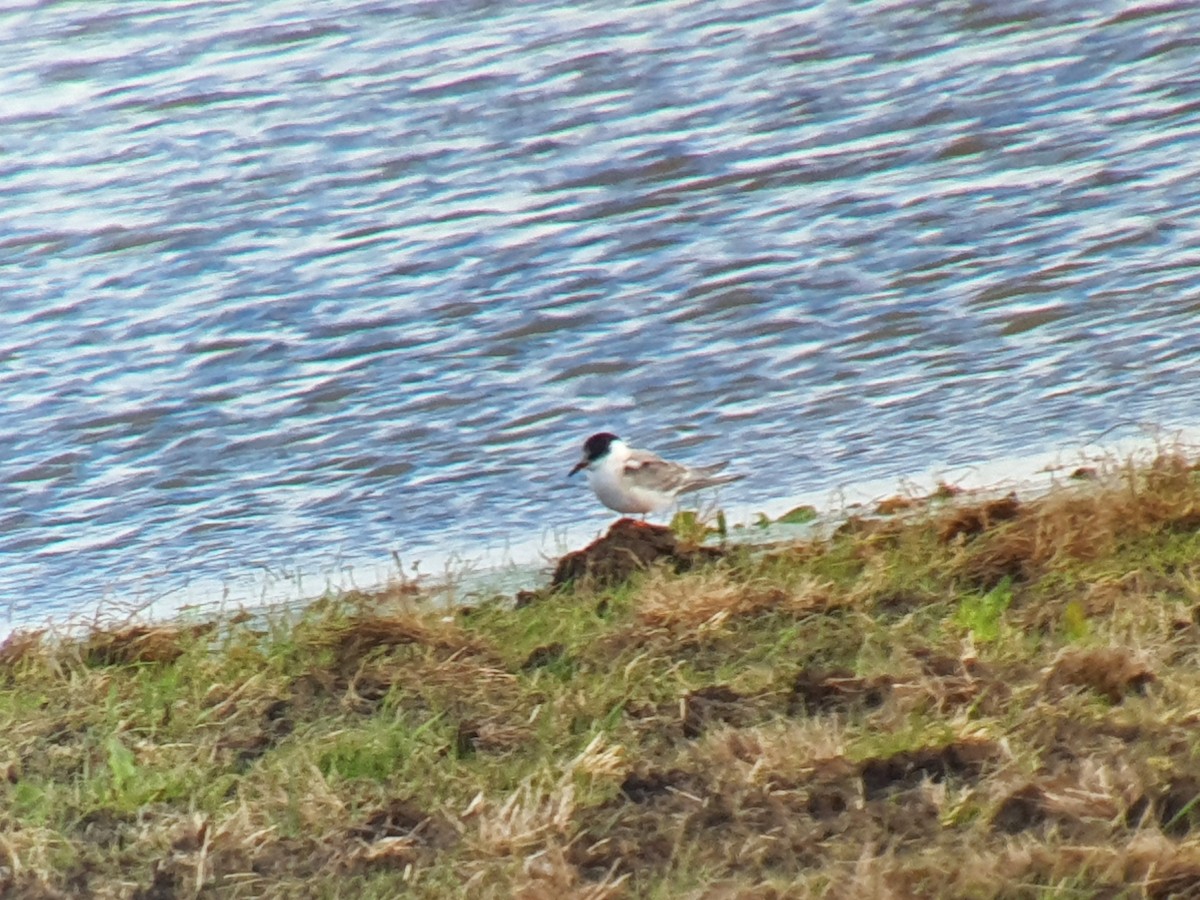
(289, 283)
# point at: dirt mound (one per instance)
(629, 547)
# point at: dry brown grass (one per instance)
(999, 700)
(1009, 539)
(711, 597)
(140, 644)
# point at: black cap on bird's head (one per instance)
(594, 448)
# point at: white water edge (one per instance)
(457, 577)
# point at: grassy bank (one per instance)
(989, 700)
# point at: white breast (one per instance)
(616, 494)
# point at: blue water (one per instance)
(288, 284)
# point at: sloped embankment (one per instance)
(989, 700)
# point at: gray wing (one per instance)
(651, 472)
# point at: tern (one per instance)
(638, 481)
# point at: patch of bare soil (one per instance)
(969, 521)
(545, 655)
(1112, 672)
(394, 832)
(629, 546)
(140, 644)
(399, 832)
(716, 703)
(246, 738)
(964, 760)
(940, 682)
(1021, 810)
(1175, 807)
(373, 655)
(818, 691)
(354, 640)
(757, 822)
(694, 713)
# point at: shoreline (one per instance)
(510, 568)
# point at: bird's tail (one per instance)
(701, 477)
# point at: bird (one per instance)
(637, 481)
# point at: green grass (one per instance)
(991, 700)
(981, 614)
